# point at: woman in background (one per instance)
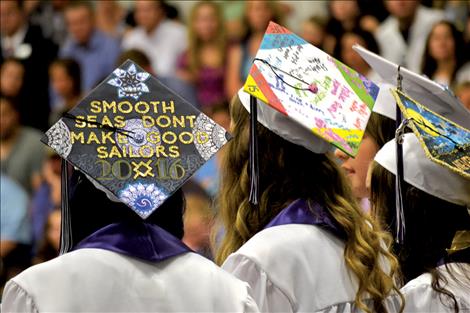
(444, 54)
(204, 63)
(11, 78)
(344, 52)
(66, 82)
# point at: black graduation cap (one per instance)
(136, 139)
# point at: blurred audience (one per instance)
(240, 57)
(11, 78)
(458, 12)
(21, 152)
(47, 197)
(403, 34)
(110, 18)
(344, 51)
(65, 76)
(162, 39)
(444, 53)
(204, 63)
(313, 31)
(15, 232)
(344, 16)
(26, 43)
(95, 51)
(50, 242)
(49, 16)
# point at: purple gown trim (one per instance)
(300, 212)
(138, 240)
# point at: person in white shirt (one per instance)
(121, 249)
(161, 39)
(307, 246)
(402, 36)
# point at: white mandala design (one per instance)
(58, 138)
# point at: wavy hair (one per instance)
(288, 172)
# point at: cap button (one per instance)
(313, 88)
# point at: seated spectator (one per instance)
(65, 78)
(240, 57)
(161, 39)
(15, 229)
(204, 63)
(344, 16)
(11, 78)
(313, 31)
(462, 91)
(444, 53)
(95, 51)
(26, 43)
(49, 245)
(403, 34)
(46, 198)
(343, 51)
(21, 152)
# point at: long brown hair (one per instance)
(195, 43)
(288, 172)
(432, 223)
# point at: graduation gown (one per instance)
(420, 297)
(296, 264)
(151, 271)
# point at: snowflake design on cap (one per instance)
(129, 83)
(143, 198)
(58, 138)
(209, 137)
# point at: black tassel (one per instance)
(66, 229)
(253, 162)
(399, 209)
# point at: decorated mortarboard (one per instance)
(443, 141)
(424, 174)
(136, 138)
(310, 87)
(434, 96)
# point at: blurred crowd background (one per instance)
(54, 52)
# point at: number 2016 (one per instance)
(123, 169)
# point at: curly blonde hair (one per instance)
(289, 172)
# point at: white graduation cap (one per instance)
(436, 97)
(385, 103)
(424, 174)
